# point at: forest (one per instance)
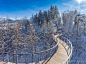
(36, 34)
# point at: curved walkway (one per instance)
(60, 57)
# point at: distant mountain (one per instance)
(1, 19)
(10, 20)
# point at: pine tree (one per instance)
(45, 15)
(36, 19)
(40, 18)
(51, 8)
(49, 16)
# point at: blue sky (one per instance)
(23, 8)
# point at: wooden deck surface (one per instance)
(61, 55)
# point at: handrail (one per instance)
(39, 54)
(71, 49)
(42, 55)
(30, 53)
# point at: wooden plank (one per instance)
(61, 55)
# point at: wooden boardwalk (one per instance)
(58, 58)
(61, 55)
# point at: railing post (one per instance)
(40, 56)
(3, 57)
(13, 58)
(0, 57)
(32, 58)
(46, 54)
(9, 57)
(26, 59)
(16, 59)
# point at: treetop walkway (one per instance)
(62, 55)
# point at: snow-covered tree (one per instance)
(40, 18)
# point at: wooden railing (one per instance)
(68, 47)
(37, 56)
(27, 57)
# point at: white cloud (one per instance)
(76, 6)
(32, 11)
(12, 18)
(80, 1)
